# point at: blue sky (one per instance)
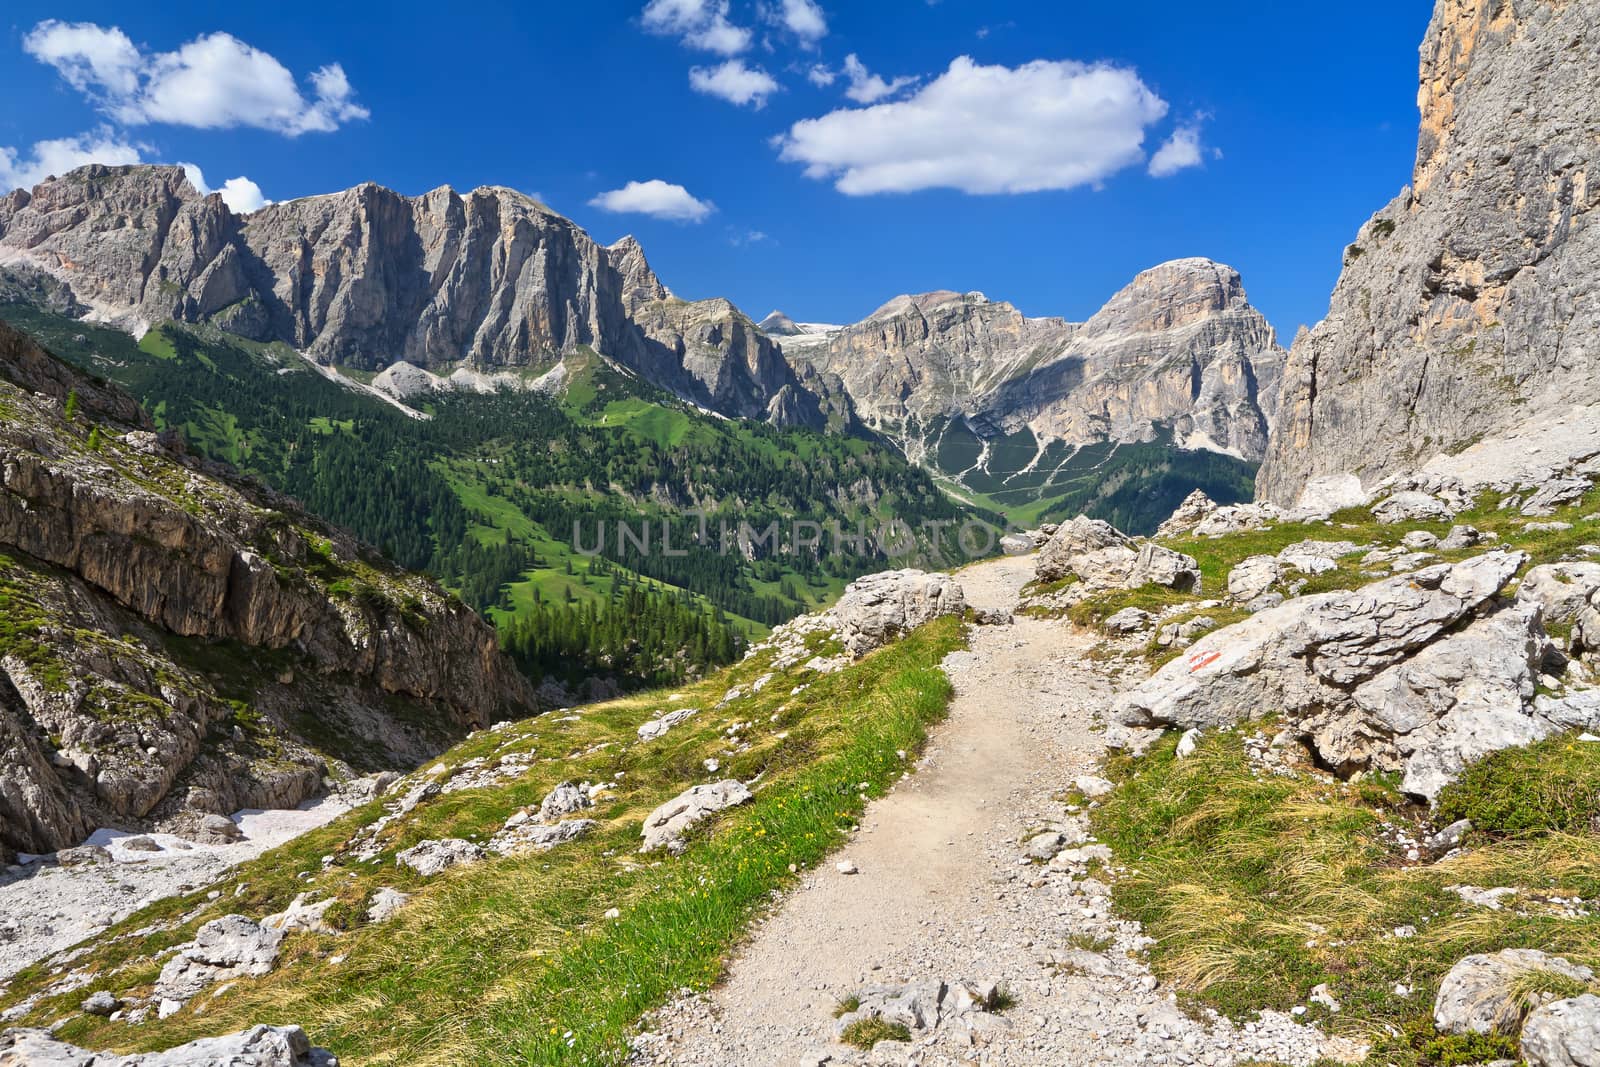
(1001, 146)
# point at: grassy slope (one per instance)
(511, 961)
(1258, 887)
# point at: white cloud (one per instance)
(62, 155)
(90, 57)
(214, 81)
(1181, 151)
(865, 86)
(240, 194)
(699, 24)
(821, 75)
(659, 199)
(734, 82)
(985, 129)
(804, 19)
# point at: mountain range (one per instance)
(494, 282)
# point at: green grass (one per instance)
(510, 961)
(1552, 785)
(1257, 887)
(866, 1033)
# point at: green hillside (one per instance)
(493, 493)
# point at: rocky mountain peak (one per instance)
(777, 324)
(1178, 353)
(1171, 295)
(640, 286)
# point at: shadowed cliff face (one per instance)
(368, 277)
(1179, 351)
(175, 637)
(1471, 302)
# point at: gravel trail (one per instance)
(944, 892)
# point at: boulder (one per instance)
(1194, 510)
(84, 856)
(1333, 492)
(302, 917)
(385, 904)
(662, 723)
(1410, 505)
(260, 1046)
(1252, 577)
(233, 946)
(1105, 568)
(101, 1003)
(1564, 592)
(539, 837)
(1020, 544)
(881, 607)
(1477, 995)
(1450, 837)
(1316, 557)
(1565, 1033)
(429, 858)
(1460, 537)
(1557, 493)
(1128, 621)
(1162, 566)
(1455, 701)
(565, 799)
(921, 1005)
(665, 827)
(1348, 673)
(219, 829)
(1093, 786)
(1073, 539)
(1237, 518)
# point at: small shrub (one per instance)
(847, 1005)
(865, 1033)
(1089, 942)
(1429, 1048)
(1551, 786)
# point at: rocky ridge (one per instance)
(1179, 353)
(1468, 308)
(491, 280)
(174, 634)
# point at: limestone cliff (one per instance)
(1178, 353)
(490, 280)
(1470, 305)
(175, 637)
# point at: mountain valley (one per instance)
(425, 638)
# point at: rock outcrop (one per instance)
(879, 608)
(223, 949)
(666, 826)
(172, 631)
(1101, 557)
(1469, 307)
(1178, 354)
(1565, 1033)
(1479, 995)
(260, 1046)
(1421, 673)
